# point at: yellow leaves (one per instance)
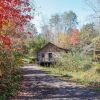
(6, 26)
(62, 40)
(94, 40)
(19, 61)
(1, 70)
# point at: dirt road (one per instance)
(38, 85)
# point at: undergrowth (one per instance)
(9, 85)
(90, 77)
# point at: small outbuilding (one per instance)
(49, 53)
(94, 49)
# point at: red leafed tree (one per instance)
(74, 37)
(16, 13)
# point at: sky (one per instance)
(46, 8)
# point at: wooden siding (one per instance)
(46, 50)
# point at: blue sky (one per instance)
(50, 7)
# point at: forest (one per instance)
(20, 40)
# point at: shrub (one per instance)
(75, 61)
(9, 85)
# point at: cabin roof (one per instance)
(52, 45)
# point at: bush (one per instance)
(75, 61)
(9, 75)
(9, 85)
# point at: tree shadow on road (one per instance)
(38, 84)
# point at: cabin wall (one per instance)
(49, 53)
(55, 55)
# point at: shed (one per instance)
(94, 48)
(49, 53)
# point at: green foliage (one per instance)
(70, 20)
(28, 59)
(36, 43)
(9, 76)
(78, 67)
(75, 61)
(55, 20)
(88, 33)
(9, 85)
(88, 28)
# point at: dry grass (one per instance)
(84, 77)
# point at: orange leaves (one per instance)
(65, 40)
(13, 16)
(62, 38)
(5, 39)
(74, 37)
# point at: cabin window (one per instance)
(42, 55)
(50, 56)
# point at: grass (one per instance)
(28, 59)
(90, 77)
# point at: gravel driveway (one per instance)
(38, 85)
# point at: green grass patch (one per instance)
(28, 59)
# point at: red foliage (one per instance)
(13, 12)
(5, 40)
(74, 37)
(30, 34)
(10, 10)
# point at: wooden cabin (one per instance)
(49, 53)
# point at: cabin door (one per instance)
(50, 56)
(43, 56)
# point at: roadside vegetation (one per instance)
(20, 41)
(14, 17)
(9, 85)
(89, 75)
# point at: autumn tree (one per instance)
(14, 14)
(60, 24)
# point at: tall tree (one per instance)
(88, 31)
(47, 33)
(14, 14)
(95, 6)
(55, 23)
(70, 20)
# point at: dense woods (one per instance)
(20, 40)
